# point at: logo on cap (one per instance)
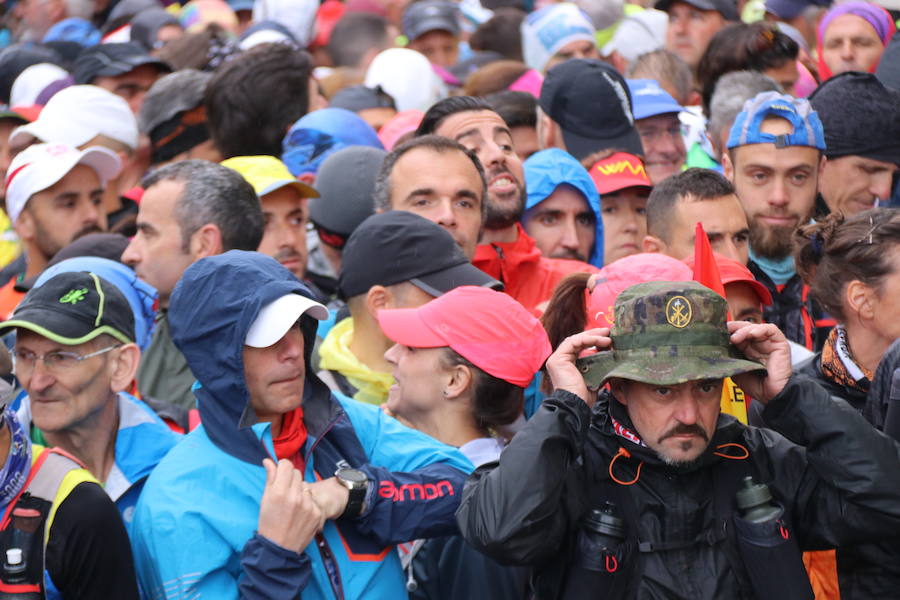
(679, 312)
(622, 95)
(73, 296)
(620, 167)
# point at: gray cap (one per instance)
(726, 8)
(172, 94)
(429, 15)
(345, 182)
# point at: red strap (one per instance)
(35, 467)
(19, 588)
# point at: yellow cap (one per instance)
(267, 174)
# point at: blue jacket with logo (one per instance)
(195, 524)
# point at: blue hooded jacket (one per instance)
(547, 170)
(195, 525)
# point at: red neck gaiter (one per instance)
(290, 441)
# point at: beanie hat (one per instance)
(546, 31)
(888, 71)
(872, 133)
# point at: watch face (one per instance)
(353, 475)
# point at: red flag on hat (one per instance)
(705, 269)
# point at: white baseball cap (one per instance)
(408, 77)
(78, 114)
(276, 317)
(42, 165)
(32, 81)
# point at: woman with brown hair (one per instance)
(758, 46)
(461, 363)
(852, 266)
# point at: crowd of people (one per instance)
(450, 300)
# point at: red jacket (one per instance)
(527, 275)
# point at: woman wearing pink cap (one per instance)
(461, 363)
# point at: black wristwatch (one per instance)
(357, 483)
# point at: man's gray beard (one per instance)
(771, 242)
(501, 217)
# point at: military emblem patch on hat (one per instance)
(679, 312)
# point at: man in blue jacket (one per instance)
(562, 210)
(82, 328)
(220, 519)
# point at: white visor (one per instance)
(278, 316)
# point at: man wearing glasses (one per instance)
(75, 357)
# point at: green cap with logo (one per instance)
(74, 308)
(666, 333)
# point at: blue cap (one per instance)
(547, 170)
(321, 133)
(75, 30)
(648, 99)
(808, 130)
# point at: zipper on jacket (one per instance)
(502, 257)
(331, 566)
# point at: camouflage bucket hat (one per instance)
(668, 333)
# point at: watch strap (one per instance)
(355, 501)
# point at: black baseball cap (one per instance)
(359, 97)
(726, 8)
(398, 246)
(74, 308)
(109, 60)
(591, 103)
(429, 15)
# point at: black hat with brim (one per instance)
(74, 308)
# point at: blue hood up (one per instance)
(547, 170)
(210, 312)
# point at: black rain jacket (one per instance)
(837, 478)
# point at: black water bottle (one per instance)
(597, 555)
(14, 565)
(754, 501)
(769, 551)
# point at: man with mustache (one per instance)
(284, 205)
(774, 159)
(506, 252)
(644, 490)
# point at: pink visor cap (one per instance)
(626, 272)
(489, 329)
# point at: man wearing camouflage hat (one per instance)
(648, 491)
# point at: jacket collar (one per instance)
(612, 421)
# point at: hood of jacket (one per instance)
(210, 312)
(547, 170)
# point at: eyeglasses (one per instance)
(56, 361)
